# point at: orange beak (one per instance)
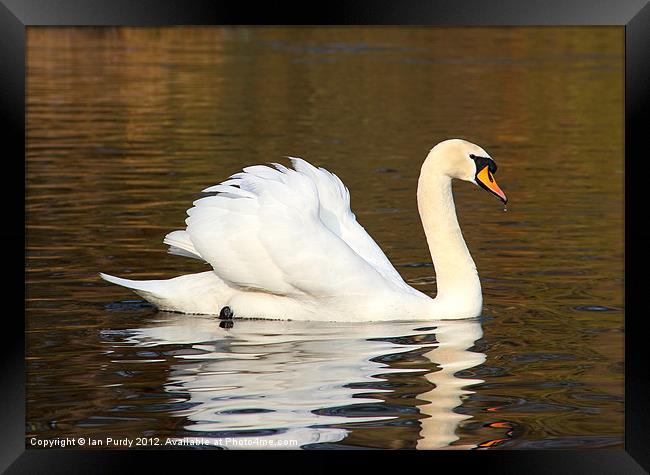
(486, 180)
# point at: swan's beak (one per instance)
(486, 180)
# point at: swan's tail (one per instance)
(136, 285)
(202, 293)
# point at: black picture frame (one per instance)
(633, 15)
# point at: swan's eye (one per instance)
(482, 162)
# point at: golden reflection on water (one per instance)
(126, 125)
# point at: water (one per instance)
(126, 126)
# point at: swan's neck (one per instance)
(456, 275)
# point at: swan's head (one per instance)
(466, 161)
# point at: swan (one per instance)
(284, 244)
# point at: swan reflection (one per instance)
(451, 355)
(284, 380)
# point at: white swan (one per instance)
(284, 244)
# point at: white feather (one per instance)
(180, 244)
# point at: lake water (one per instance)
(125, 126)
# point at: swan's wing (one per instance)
(268, 229)
(336, 214)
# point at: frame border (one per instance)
(634, 15)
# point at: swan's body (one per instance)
(284, 244)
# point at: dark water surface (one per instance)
(126, 126)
